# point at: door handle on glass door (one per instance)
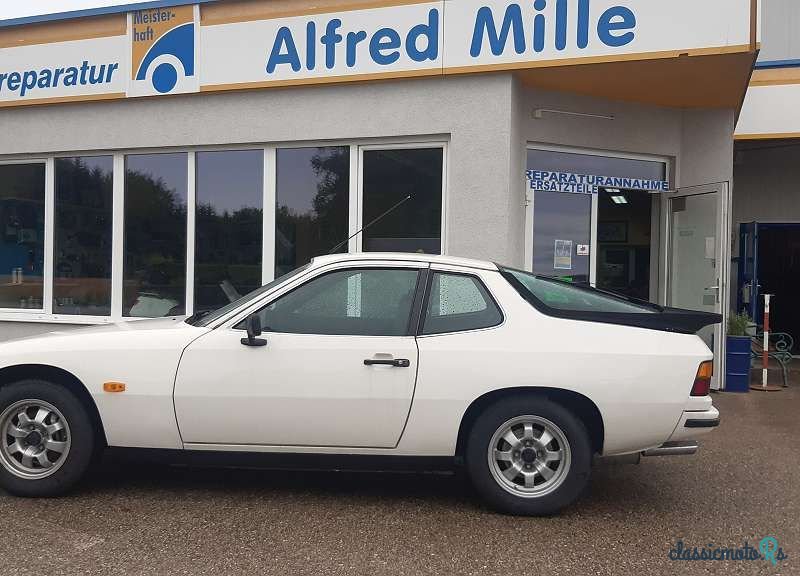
(716, 290)
(397, 363)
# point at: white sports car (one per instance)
(425, 359)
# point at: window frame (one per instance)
(48, 244)
(426, 302)
(81, 318)
(414, 313)
(359, 238)
(269, 149)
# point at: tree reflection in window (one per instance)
(312, 208)
(83, 221)
(228, 229)
(155, 235)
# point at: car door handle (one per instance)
(397, 363)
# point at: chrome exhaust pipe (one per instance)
(673, 449)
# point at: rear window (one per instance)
(562, 296)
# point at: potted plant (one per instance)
(738, 354)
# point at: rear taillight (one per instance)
(702, 382)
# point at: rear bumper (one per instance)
(682, 442)
(693, 424)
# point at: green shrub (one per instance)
(737, 324)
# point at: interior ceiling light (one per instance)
(619, 199)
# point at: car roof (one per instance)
(403, 257)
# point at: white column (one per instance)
(269, 223)
(118, 237)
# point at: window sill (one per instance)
(34, 317)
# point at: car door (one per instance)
(338, 369)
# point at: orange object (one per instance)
(702, 382)
(113, 387)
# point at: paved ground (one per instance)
(133, 519)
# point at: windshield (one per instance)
(560, 295)
(206, 317)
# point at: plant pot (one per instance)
(737, 365)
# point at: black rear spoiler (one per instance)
(666, 320)
(657, 318)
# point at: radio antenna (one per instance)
(389, 211)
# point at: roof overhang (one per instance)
(771, 110)
(679, 81)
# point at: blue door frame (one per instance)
(748, 276)
(747, 285)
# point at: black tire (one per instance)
(77, 458)
(575, 479)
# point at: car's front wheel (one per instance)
(527, 455)
(47, 439)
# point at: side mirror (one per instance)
(253, 326)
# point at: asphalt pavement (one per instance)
(133, 518)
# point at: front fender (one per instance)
(144, 358)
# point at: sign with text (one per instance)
(167, 50)
(544, 181)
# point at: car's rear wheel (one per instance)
(47, 439)
(527, 455)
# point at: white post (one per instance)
(765, 357)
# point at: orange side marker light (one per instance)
(113, 387)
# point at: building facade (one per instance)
(165, 160)
(766, 213)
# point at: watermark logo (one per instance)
(163, 51)
(768, 550)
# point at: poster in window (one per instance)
(562, 256)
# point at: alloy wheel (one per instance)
(36, 439)
(529, 456)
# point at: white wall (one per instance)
(780, 20)
(766, 183)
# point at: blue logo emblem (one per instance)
(171, 58)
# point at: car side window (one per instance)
(355, 302)
(458, 303)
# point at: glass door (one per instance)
(562, 236)
(697, 260)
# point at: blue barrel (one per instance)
(737, 373)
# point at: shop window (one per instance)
(22, 236)
(565, 211)
(83, 235)
(312, 204)
(155, 235)
(228, 226)
(561, 223)
(388, 177)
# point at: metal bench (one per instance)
(781, 345)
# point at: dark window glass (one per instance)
(21, 235)
(228, 226)
(83, 221)
(571, 298)
(561, 223)
(155, 235)
(312, 205)
(458, 303)
(350, 302)
(390, 176)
